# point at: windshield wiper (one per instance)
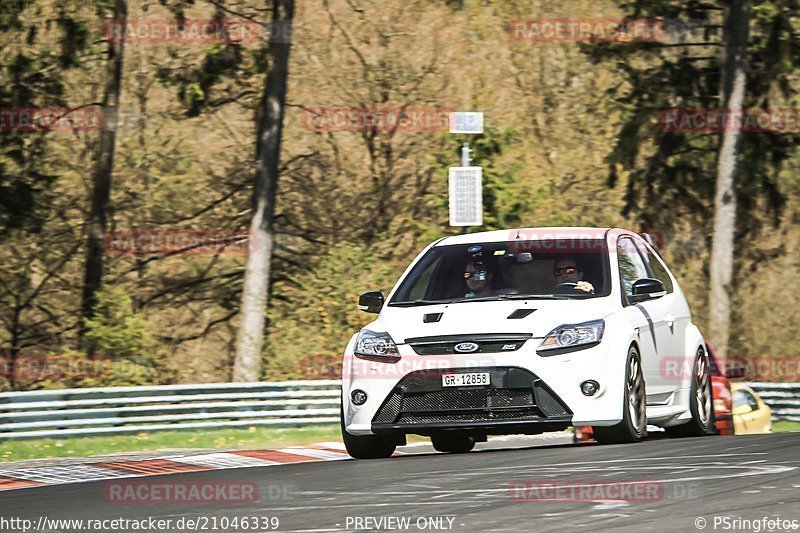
(532, 297)
(413, 303)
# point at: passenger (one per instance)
(565, 270)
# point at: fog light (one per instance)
(590, 387)
(358, 396)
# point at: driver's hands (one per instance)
(584, 286)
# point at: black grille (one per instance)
(513, 394)
(487, 343)
(391, 408)
(483, 347)
(444, 400)
(527, 414)
(548, 404)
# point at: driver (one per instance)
(565, 270)
(479, 280)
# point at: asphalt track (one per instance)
(745, 478)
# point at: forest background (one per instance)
(574, 137)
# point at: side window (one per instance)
(655, 266)
(631, 265)
(742, 397)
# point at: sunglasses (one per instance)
(478, 275)
(564, 270)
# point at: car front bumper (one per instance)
(528, 393)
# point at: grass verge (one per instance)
(785, 425)
(252, 437)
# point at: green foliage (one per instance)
(672, 174)
(122, 339)
(317, 311)
(73, 41)
(9, 13)
(194, 86)
(116, 329)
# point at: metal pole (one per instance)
(465, 158)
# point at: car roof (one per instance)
(539, 233)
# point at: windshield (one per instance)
(499, 270)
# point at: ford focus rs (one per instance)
(525, 331)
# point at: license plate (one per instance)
(460, 380)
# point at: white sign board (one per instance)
(466, 196)
(466, 122)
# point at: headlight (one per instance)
(570, 337)
(376, 346)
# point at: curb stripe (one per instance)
(152, 467)
(19, 478)
(7, 483)
(317, 454)
(278, 457)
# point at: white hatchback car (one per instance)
(523, 331)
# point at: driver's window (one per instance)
(631, 265)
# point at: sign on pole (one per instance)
(466, 122)
(466, 196)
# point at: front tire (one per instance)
(365, 446)
(633, 426)
(700, 402)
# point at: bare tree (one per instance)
(270, 124)
(732, 93)
(104, 167)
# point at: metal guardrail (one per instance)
(120, 410)
(782, 398)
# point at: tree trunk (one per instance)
(735, 34)
(104, 167)
(270, 123)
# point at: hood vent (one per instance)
(520, 313)
(432, 317)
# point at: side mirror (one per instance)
(371, 302)
(646, 289)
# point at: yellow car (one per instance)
(750, 413)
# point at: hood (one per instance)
(487, 317)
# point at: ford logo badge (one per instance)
(466, 347)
